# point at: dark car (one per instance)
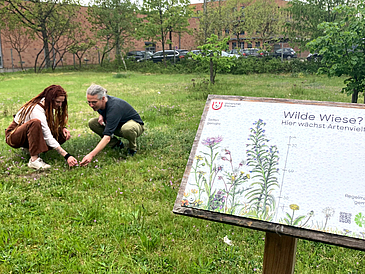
(170, 55)
(138, 55)
(236, 52)
(254, 52)
(314, 57)
(287, 53)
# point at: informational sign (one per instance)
(292, 167)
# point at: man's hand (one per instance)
(87, 159)
(66, 133)
(101, 120)
(71, 161)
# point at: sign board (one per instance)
(285, 166)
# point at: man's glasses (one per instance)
(91, 102)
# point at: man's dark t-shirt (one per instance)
(116, 113)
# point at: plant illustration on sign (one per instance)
(203, 184)
(207, 171)
(289, 219)
(360, 220)
(263, 160)
(328, 212)
(309, 215)
(221, 186)
(233, 180)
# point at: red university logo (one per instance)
(217, 105)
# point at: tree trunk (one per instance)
(170, 39)
(118, 57)
(355, 96)
(46, 48)
(211, 71)
(21, 61)
(125, 66)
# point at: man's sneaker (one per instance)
(119, 145)
(131, 152)
(38, 164)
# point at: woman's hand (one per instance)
(66, 133)
(71, 161)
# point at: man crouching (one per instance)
(116, 117)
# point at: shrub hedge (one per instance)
(251, 65)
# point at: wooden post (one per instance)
(279, 254)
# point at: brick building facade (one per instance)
(10, 61)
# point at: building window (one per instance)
(242, 32)
(257, 44)
(249, 45)
(227, 31)
(234, 44)
(241, 45)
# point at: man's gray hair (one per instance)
(96, 90)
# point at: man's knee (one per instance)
(93, 123)
(132, 130)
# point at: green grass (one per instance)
(115, 216)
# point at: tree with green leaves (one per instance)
(219, 18)
(50, 20)
(235, 17)
(263, 20)
(211, 52)
(80, 47)
(162, 17)
(305, 16)
(342, 47)
(114, 22)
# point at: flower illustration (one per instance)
(197, 202)
(294, 207)
(199, 158)
(213, 141)
(194, 191)
(328, 212)
(184, 202)
(218, 201)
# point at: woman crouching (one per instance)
(40, 125)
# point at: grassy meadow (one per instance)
(115, 215)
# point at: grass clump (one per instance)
(115, 215)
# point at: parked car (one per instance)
(256, 52)
(170, 55)
(287, 53)
(139, 54)
(196, 51)
(226, 54)
(314, 57)
(236, 52)
(232, 54)
(182, 53)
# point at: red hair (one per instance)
(55, 120)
